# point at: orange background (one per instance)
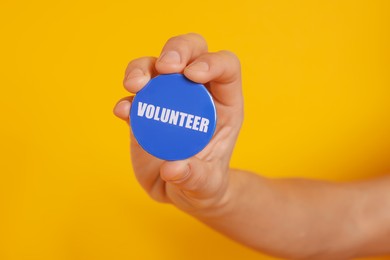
(316, 85)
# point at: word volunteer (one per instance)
(170, 116)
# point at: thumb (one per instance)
(191, 175)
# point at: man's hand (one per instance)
(290, 218)
(202, 182)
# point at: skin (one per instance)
(290, 218)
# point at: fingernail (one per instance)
(170, 57)
(199, 66)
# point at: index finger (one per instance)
(179, 51)
(222, 72)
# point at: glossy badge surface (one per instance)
(173, 118)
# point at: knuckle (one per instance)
(178, 41)
(196, 35)
(231, 56)
(198, 38)
(187, 41)
(134, 62)
(141, 61)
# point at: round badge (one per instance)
(173, 118)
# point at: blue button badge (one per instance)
(173, 118)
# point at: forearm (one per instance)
(304, 218)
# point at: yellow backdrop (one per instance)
(316, 85)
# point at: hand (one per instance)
(202, 182)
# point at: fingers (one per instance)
(223, 71)
(138, 73)
(179, 51)
(192, 176)
(122, 108)
(176, 54)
